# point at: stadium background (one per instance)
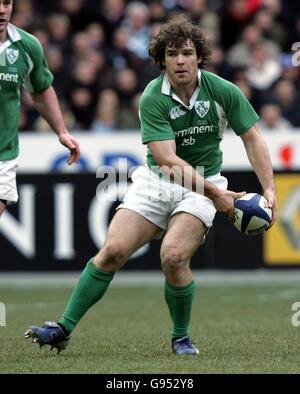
(97, 51)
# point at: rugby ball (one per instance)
(252, 214)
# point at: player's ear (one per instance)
(200, 59)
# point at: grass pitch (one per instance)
(239, 328)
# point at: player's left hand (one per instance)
(224, 201)
(72, 144)
(270, 195)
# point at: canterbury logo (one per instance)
(177, 112)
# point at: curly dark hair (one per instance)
(175, 33)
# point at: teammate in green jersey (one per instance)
(184, 113)
(22, 63)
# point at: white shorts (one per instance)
(8, 186)
(158, 200)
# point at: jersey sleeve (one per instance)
(39, 77)
(155, 125)
(239, 112)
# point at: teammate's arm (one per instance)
(164, 153)
(47, 105)
(259, 157)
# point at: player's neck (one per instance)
(185, 93)
(3, 36)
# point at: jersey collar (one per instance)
(13, 33)
(168, 91)
(13, 36)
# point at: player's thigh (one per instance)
(184, 235)
(129, 231)
(2, 207)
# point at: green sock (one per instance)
(92, 285)
(179, 300)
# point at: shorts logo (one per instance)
(12, 55)
(202, 107)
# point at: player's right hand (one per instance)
(270, 195)
(72, 144)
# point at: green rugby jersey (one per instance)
(22, 63)
(198, 128)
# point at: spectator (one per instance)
(41, 125)
(136, 21)
(218, 63)
(287, 99)
(106, 119)
(59, 67)
(79, 45)
(96, 35)
(120, 55)
(263, 71)
(80, 13)
(270, 28)
(112, 13)
(207, 19)
(81, 101)
(24, 15)
(126, 86)
(157, 12)
(59, 28)
(271, 118)
(239, 54)
(129, 117)
(237, 15)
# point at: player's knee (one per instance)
(173, 259)
(112, 254)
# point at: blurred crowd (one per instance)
(98, 53)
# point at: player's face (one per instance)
(5, 14)
(182, 64)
